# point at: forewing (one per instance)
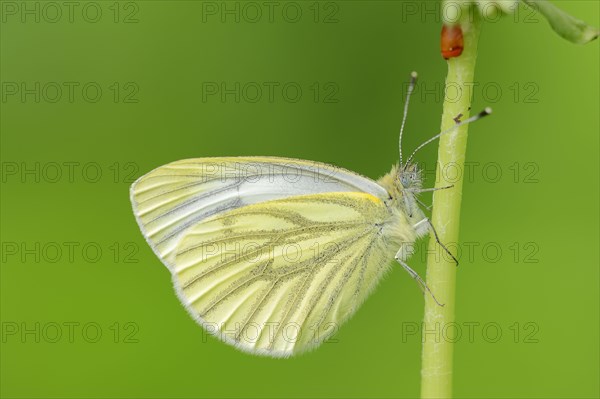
(279, 277)
(171, 199)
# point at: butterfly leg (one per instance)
(414, 275)
(424, 205)
(437, 238)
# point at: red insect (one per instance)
(452, 41)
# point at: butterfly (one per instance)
(271, 254)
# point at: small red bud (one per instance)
(452, 41)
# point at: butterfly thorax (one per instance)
(402, 185)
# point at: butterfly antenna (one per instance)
(411, 88)
(480, 115)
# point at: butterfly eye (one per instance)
(408, 180)
(404, 181)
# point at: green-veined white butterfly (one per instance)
(272, 254)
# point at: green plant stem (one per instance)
(436, 368)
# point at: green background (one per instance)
(545, 122)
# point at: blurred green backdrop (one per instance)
(94, 94)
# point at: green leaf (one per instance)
(570, 28)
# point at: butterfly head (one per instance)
(409, 177)
(402, 185)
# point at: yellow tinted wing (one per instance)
(279, 277)
(172, 198)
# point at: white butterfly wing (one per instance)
(279, 277)
(175, 197)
